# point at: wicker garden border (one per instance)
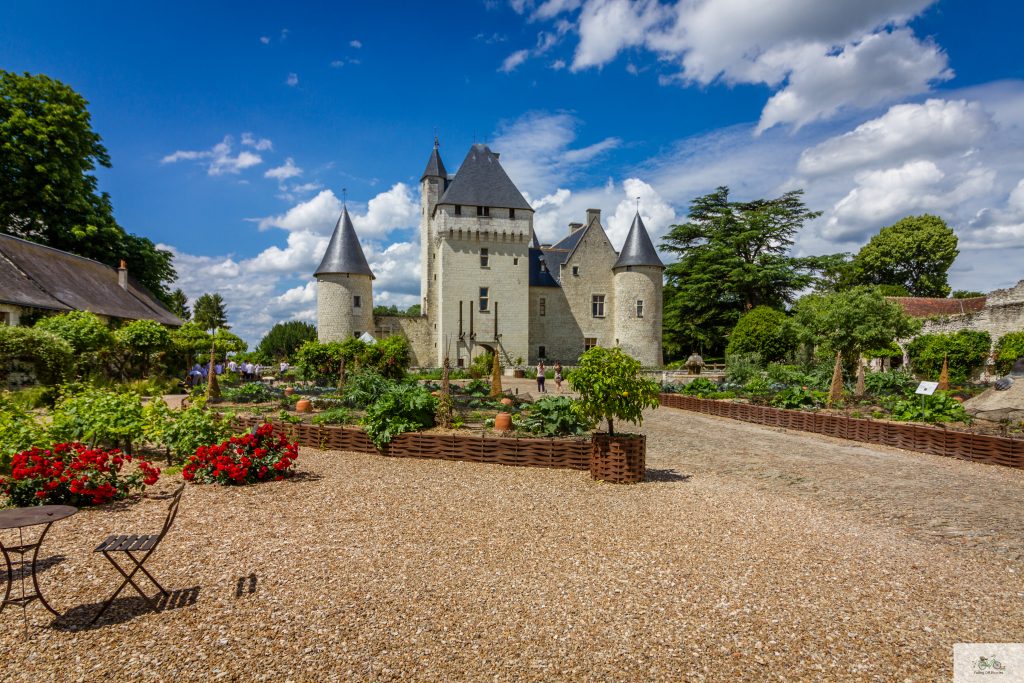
(993, 450)
(571, 454)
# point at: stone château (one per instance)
(488, 284)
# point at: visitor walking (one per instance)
(540, 378)
(558, 378)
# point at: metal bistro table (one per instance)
(19, 518)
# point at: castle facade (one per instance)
(487, 284)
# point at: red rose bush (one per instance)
(256, 456)
(74, 474)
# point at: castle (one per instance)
(487, 284)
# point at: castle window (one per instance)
(576, 271)
(357, 301)
(542, 306)
(542, 352)
(484, 257)
(483, 211)
(515, 261)
(512, 214)
(485, 299)
(597, 305)
(639, 308)
(589, 343)
(458, 210)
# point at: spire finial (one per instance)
(435, 138)
(344, 197)
(638, 205)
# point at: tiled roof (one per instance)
(37, 276)
(927, 307)
(481, 181)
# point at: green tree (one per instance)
(284, 339)
(611, 388)
(141, 342)
(413, 310)
(967, 350)
(966, 294)
(179, 305)
(852, 321)
(84, 331)
(731, 257)
(48, 191)
(49, 355)
(763, 331)
(209, 312)
(1009, 348)
(915, 253)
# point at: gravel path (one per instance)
(744, 559)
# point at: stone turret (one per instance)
(638, 296)
(344, 298)
(433, 183)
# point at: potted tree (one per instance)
(611, 388)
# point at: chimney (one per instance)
(573, 227)
(122, 275)
(592, 215)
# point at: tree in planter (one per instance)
(611, 387)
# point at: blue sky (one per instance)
(233, 129)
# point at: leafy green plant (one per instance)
(289, 418)
(757, 386)
(939, 407)
(966, 350)
(741, 367)
(889, 383)
(48, 355)
(611, 387)
(193, 427)
(365, 388)
(252, 392)
(1009, 348)
(20, 430)
(402, 408)
(555, 416)
(477, 387)
(333, 416)
(799, 398)
(787, 375)
(701, 387)
(481, 365)
(98, 417)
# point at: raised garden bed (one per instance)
(996, 450)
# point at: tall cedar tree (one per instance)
(48, 193)
(732, 257)
(208, 312)
(179, 304)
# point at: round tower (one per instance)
(344, 290)
(638, 286)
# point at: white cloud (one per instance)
(355, 43)
(281, 173)
(265, 40)
(391, 210)
(656, 213)
(261, 144)
(316, 214)
(514, 60)
(935, 128)
(218, 159)
(292, 80)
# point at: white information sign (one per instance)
(927, 388)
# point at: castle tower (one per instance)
(638, 296)
(344, 293)
(433, 183)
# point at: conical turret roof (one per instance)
(344, 253)
(638, 249)
(481, 181)
(435, 167)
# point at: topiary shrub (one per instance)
(764, 331)
(967, 351)
(1009, 348)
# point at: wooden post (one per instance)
(835, 392)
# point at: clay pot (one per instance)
(503, 422)
(506, 401)
(304, 405)
(288, 391)
(435, 393)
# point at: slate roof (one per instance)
(37, 276)
(344, 254)
(435, 167)
(539, 277)
(638, 250)
(927, 307)
(481, 181)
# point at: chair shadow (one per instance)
(25, 570)
(123, 609)
(303, 477)
(666, 475)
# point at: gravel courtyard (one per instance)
(750, 554)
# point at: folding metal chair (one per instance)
(132, 544)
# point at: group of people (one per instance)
(541, 369)
(250, 372)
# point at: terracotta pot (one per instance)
(503, 422)
(304, 405)
(506, 401)
(288, 391)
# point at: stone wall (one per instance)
(1003, 313)
(337, 316)
(639, 335)
(416, 329)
